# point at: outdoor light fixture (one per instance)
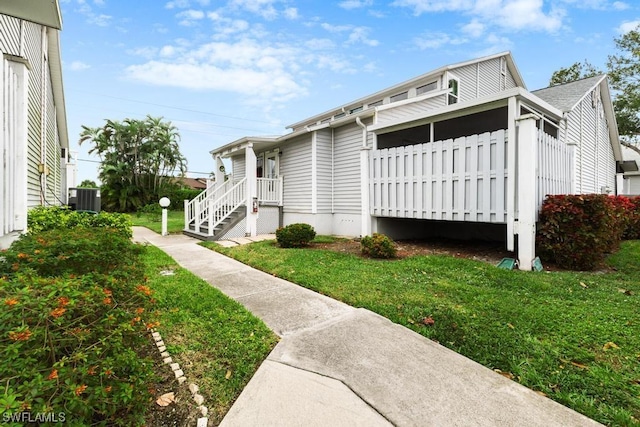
(164, 204)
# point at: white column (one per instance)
(252, 190)
(219, 172)
(511, 172)
(526, 190)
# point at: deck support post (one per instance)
(252, 191)
(526, 190)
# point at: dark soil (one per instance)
(490, 252)
(181, 413)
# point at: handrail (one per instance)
(196, 209)
(220, 209)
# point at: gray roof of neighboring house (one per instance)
(566, 96)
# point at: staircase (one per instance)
(225, 225)
(215, 211)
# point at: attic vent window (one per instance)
(375, 104)
(426, 88)
(337, 116)
(453, 95)
(399, 97)
(355, 110)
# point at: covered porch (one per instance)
(490, 163)
(232, 205)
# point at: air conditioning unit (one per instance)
(84, 199)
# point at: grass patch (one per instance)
(217, 342)
(175, 221)
(573, 336)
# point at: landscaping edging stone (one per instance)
(181, 378)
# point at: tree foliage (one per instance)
(577, 71)
(87, 183)
(138, 159)
(623, 69)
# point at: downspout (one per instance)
(364, 182)
(333, 170)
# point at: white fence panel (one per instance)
(456, 180)
(555, 167)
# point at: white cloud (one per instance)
(263, 8)
(320, 44)
(260, 71)
(143, 52)
(99, 20)
(495, 44)
(619, 5)
(625, 27)
(184, 4)
(336, 28)
(474, 28)
(355, 4)
(227, 26)
(508, 14)
(291, 13)
(78, 66)
(436, 40)
(189, 17)
(361, 35)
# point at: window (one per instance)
(375, 104)
(337, 116)
(426, 88)
(399, 97)
(453, 95)
(355, 110)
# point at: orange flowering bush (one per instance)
(68, 341)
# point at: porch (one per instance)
(221, 210)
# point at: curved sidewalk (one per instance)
(336, 365)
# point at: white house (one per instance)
(631, 177)
(464, 150)
(33, 139)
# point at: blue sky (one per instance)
(223, 69)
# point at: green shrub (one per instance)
(78, 250)
(43, 218)
(631, 217)
(378, 246)
(178, 196)
(295, 235)
(67, 343)
(577, 231)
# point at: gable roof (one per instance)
(411, 82)
(43, 12)
(567, 96)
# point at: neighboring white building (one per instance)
(33, 138)
(631, 178)
(464, 150)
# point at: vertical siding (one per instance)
(295, 167)
(9, 35)
(606, 159)
(347, 186)
(52, 149)
(324, 167)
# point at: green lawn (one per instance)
(215, 340)
(175, 221)
(573, 336)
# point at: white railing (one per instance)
(555, 167)
(220, 209)
(270, 190)
(464, 179)
(197, 210)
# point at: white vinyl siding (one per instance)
(606, 159)
(467, 82)
(411, 109)
(347, 186)
(295, 167)
(238, 167)
(10, 35)
(34, 56)
(324, 168)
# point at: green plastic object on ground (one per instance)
(507, 263)
(537, 264)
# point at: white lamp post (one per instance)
(164, 203)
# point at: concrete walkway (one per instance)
(336, 365)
